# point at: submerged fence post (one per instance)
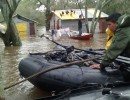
(1, 83)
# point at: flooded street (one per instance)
(11, 56)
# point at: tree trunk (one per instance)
(92, 28)
(86, 17)
(47, 15)
(100, 5)
(11, 36)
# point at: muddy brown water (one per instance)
(11, 56)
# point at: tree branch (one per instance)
(41, 3)
(9, 6)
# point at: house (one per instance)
(26, 27)
(69, 18)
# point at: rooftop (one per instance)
(74, 13)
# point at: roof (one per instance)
(66, 14)
(74, 13)
(24, 18)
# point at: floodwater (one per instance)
(11, 56)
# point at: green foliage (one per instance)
(28, 11)
(121, 6)
(8, 8)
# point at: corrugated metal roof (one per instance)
(74, 13)
(24, 18)
(92, 10)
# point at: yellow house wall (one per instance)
(22, 29)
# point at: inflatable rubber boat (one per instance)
(71, 76)
(115, 91)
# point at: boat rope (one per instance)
(72, 47)
(89, 86)
(74, 54)
(52, 68)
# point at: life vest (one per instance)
(109, 38)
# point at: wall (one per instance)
(73, 25)
(102, 25)
(23, 27)
(53, 22)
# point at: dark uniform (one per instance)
(80, 27)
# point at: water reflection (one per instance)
(11, 56)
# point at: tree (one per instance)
(11, 36)
(121, 6)
(47, 15)
(99, 6)
(46, 3)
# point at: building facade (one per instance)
(69, 18)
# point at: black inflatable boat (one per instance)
(114, 91)
(71, 76)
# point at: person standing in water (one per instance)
(80, 25)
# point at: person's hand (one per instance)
(95, 66)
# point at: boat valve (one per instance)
(109, 91)
(52, 93)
